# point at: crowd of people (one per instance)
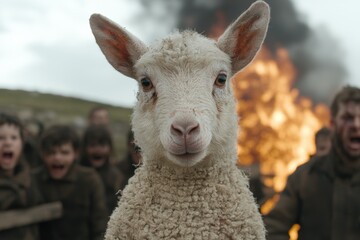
(80, 172)
(322, 195)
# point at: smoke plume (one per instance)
(315, 54)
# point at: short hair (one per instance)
(97, 135)
(345, 95)
(323, 132)
(58, 135)
(12, 120)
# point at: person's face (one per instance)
(347, 129)
(100, 117)
(10, 146)
(323, 145)
(59, 160)
(98, 154)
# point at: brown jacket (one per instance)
(84, 212)
(19, 192)
(324, 200)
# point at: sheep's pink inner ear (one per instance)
(117, 46)
(120, 48)
(245, 39)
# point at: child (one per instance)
(78, 188)
(17, 190)
(97, 151)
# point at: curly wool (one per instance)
(161, 202)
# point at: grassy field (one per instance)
(51, 109)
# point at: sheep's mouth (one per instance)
(187, 159)
(187, 154)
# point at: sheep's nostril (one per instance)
(185, 129)
(177, 130)
(193, 129)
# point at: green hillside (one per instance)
(51, 109)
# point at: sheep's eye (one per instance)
(221, 80)
(146, 84)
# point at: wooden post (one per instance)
(21, 217)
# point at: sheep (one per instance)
(185, 122)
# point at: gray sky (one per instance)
(48, 46)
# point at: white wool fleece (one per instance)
(162, 203)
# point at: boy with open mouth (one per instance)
(78, 188)
(17, 189)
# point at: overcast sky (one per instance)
(48, 46)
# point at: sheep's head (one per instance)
(185, 110)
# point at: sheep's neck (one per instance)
(201, 173)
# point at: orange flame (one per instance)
(277, 125)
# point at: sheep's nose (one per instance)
(185, 129)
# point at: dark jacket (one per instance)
(19, 192)
(32, 153)
(112, 180)
(323, 200)
(127, 168)
(84, 212)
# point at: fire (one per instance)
(277, 124)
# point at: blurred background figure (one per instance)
(32, 131)
(323, 141)
(99, 115)
(17, 189)
(97, 152)
(323, 195)
(132, 159)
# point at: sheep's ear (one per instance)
(242, 39)
(120, 47)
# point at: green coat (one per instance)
(323, 200)
(84, 211)
(16, 193)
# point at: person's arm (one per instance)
(26, 216)
(98, 212)
(286, 211)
